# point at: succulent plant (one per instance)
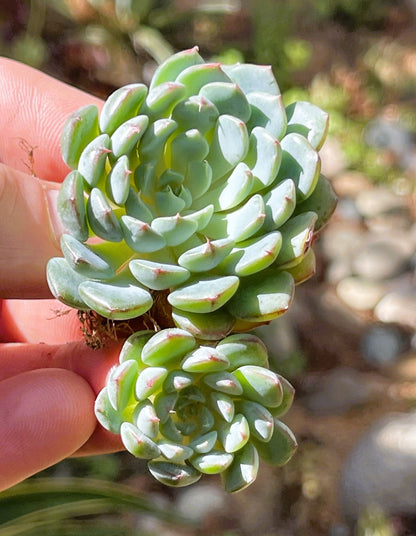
(193, 204)
(193, 409)
(203, 188)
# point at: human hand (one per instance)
(48, 376)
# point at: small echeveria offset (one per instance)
(191, 409)
(193, 202)
(203, 188)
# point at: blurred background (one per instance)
(348, 345)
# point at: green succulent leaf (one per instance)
(120, 106)
(260, 385)
(243, 349)
(281, 446)
(243, 470)
(170, 69)
(308, 120)
(120, 384)
(166, 346)
(158, 276)
(212, 463)
(204, 359)
(79, 130)
(138, 443)
(173, 474)
(71, 206)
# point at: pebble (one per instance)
(332, 157)
(381, 468)
(380, 259)
(337, 270)
(382, 345)
(340, 240)
(371, 203)
(350, 184)
(201, 501)
(397, 308)
(359, 293)
(337, 392)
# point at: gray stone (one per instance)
(337, 270)
(397, 308)
(382, 345)
(337, 392)
(371, 203)
(359, 293)
(381, 468)
(201, 501)
(381, 258)
(340, 240)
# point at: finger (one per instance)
(45, 416)
(28, 233)
(34, 108)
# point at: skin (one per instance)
(49, 378)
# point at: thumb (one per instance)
(29, 226)
(45, 416)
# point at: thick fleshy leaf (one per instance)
(253, 255)
(79, 130)
(64, 283)
(121, 105)
(93, 158)
(174, 229)
(253, 78)
(133, 346)
(223, 405)
(280, 448)
(267, 111)
(204, 443)
(197, 76)
(263, 158)
(137, 208)
(177, 380)
(158, 276)
(128, 134)
(84, 261)
(207, 256)
(118, 301)
(297, 235)
(173, 452)
(102, 218)
(152, 144)
(206, 326)
(150, 380)
(300, 162)
(164, 405)
(243, 470)
(138, 443)
(188, 146)
(204, 359)
(280, 203)
(287, 400)
(307, 119)
(304, 269)
(170, 69)
(224, 382)
(262, 297)
(198, 178)
(120, 384)
(322, 201)
(140, 236)
(204, 295)
(146, 420)
(71, 206)
(213, 462)
(260, 385)
(119, 180)
(107, 416)
(234, 435)
(195, 112)
(228, 147)
(243, 349)
(172, 474)
(228, 99)
(162, 99)
(166, 346)
(259, 419)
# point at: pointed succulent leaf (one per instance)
(260, 385)
(140, 236)
(150, 380)
(120, 384)
(204, 295)
(173, 452)
(79, 130)
(253, 78)
(102, 218)
(207, 256)
(304, 269)
(146, 420)
(84, 261)
(197, 76)
(224, 382)
(168, 202)
(307, 119)
(240, 223)
(138, 443)
(228, 99)
(164, 405)
(119, 180)
(204, 359)
(263, 158)
(162, 98)
(267, 111)
(301, 163)
(281, 446)
(259, 419)
(107, 416)
(297, 235)
(253, 255)
(170, 69)
(195, 112)
(230, 192)
(280, 203)
(243, 470)
(204, 443)
(166, 346)
(262, 297)
(121, 105)
(137, 208)
(153, 141)
(177, 380)
(322, 201)
(71, 206)
(169, 430)
(128, 135)
(234, 435)
(198, 178)
(64, 283)
(174, 474)
(213, 462)
(118, 301)
(174, 229)
(133, 346)
(207, 326)
(158, 276)
(243, 349)
(93, 158)
(223, 405)
(187, 146)
(287, 400)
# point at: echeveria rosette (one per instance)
(203, 188)
(192, 409)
